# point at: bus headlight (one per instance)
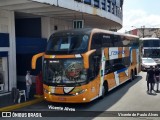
(80, 92)
(84, 99)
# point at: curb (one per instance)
(21, 105)
(38, 96)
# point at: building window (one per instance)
(103, 4)
(78, 24)
(78, 0)
(113, 7)
(1, 76)
(109, 5)
(96, 3)
(87, 2)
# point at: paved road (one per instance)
(131, 96)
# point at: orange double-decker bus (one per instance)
(84, 64)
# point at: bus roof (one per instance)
(149, 38)
(91, 30)
(74, 31)
(111, 32)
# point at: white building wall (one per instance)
(4, 28)
(61, 25)
(4, 21)
(78, 6)
(12, 52)
(45, 27)
(48, 26)
(7, 25)
(73, 5)
(5, 72)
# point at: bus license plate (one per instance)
(62, 99)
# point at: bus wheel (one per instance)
(104, 89)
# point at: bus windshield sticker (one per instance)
(104, 36)
(65, 46)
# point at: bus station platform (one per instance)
(7, 103)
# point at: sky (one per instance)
(138, 13)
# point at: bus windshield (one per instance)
(67, 44)
(151, 43)
(152, 53)
(64, 71)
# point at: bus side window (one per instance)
(108, 68)
(125, 41)
(94, 61)
(118, 41)
(134, 42)
(126, 61)
(96, 41)
(118, 66)
(106, 40)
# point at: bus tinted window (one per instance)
(128, 41)
(153, 53)
(96, 41)
(118, 41)
(116, 64)
(134, 43)
(107, 40)
(67, 44)
(151, 43)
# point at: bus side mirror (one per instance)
(34, 60)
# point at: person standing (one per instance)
(157, 76)
(150, 79)
(28, 83)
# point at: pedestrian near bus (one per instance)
(150, 79)
(28, 83)
(157, 76)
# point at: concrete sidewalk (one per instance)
(7, 103)
(6, 100)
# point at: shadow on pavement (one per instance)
(154, 94)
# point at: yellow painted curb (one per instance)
(38, 96)
(20, 105)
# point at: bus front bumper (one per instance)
(80, 98)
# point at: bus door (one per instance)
(113, 58)
(102, 71)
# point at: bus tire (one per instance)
(104, 89)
